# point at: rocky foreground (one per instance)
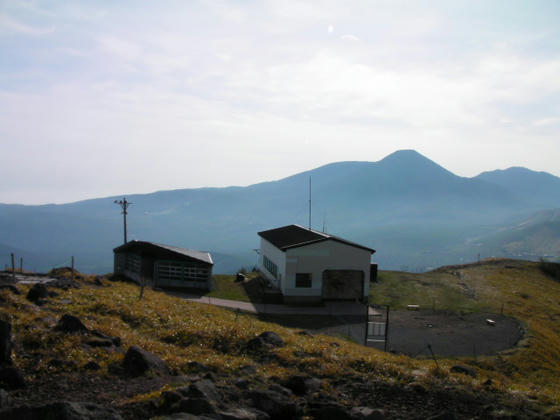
(129, 382)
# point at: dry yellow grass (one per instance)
(181, 332)
(525, 292)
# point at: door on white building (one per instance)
(343, 284)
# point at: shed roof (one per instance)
(293, 236)
(197, 255)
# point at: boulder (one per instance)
(301, 385)
(195, 406)
(271, 338)
(5, 342)
(138, 361)
(265, 341)
(202, 389)
(91, 365)
(445, 415)
(198, 367)
(5, 399)
(98, 342)
(116, 340)
(37, 293)
(184, 416)
(11, 378)
(70, 324)
(276, 405)
(329, 411)
(463, 370)
(61, 410)
(243, 414)
(366, 413)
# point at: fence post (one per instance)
(367, 321)
(21, 264)
(386, 329)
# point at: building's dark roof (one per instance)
(294, 236)
(197, 255)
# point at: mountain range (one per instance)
(415, 213)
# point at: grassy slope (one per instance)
(181, 332)
(525, 292)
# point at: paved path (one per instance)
(328, 308)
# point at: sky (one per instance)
(111, 98)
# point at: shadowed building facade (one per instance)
(163, 265)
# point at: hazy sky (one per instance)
(102, 97)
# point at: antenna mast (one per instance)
(309, 202)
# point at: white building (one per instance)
(307, 265)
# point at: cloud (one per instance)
(349, 38)
(11, 25)
(330, 29)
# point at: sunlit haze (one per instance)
(109, 98)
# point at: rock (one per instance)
(37, 292)
(98, 342)
(138, 361)
(195, 406)
(446, 415)
(240, 277)
(243, 414)
(98, 281)
(272, 339)
(5, 342)
(329, 411)
(169, 398)
(12, 288)
(61, 410)
(53, 294)
(248, 370)
(5, 399)
(116, 340)
(256, 344)
(64, 283)
(203, 389)
(241, 383)
(366, 413)
(198, 367)
(281, 390)
(463, 370)
(276, 405)
(265, 341)
(91, 365)
(301, 385)
(11, 378)
(417, 387)
(70, 324)
(184, 416)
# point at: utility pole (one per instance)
(124, 205)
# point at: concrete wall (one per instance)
(278, 257)
(320, 256)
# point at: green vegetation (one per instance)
(248, 290)
(525, 292)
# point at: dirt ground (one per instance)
(410, 332)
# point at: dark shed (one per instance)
(164, 265)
